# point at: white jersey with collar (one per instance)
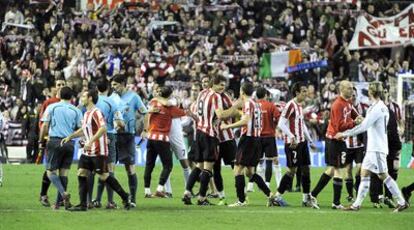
(375, 123)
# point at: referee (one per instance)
(60, 120)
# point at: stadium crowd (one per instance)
(178, 43)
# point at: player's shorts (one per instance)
(375, 162)
(298, 156)
(207, 150)
(227, 151)
(59, 157)
(178, 146)
(111, 148)
(193, 152)
(161, 149)
(268, 147)
(248, 151)
(354, 154)
(335, 153)
(98, 164)
(125, 148)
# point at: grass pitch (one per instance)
(20, 208)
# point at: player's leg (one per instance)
(277, 170)
(126, 155)
(304, 163)
(166, 159)
(197, 148)
(349, 180)
(363, 188)
(327, 175)
(239, 184)
(149, 166)
(393, 165)
(390, 182)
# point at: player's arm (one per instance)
(283, 125)
(242, 122)
(76, 134)
(44, 129)
(230, 112)
(371, 118)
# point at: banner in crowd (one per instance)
(334, 1)
(110, 3)
(275, 64)
(374, 32)
(362, 91)
(14, 134)
(307, 65)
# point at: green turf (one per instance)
(20, 209)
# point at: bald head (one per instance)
(345, 89)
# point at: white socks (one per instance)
(395, 191)
(278, 174)
(167, 185)
(363, 189)
(186, 172)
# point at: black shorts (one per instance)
(268, 147)
(192, 153)
(111, 148)
(97, 164)
(248, 151)
(335, 153)
(355, 154)
(298, 156)
(59, 157)
(391, 157)
(227, 152)
(206, 148)
(125, 148)
(161, 149)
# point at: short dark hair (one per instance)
(296, 88)
(261, 92)
(121, 79)
(102, 84)
(197, 84)
(94, 94)
(217, 79)
(247, 88)
(166, 91)
(66, 93)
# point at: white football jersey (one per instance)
(375, 123)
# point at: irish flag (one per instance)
(275, 64)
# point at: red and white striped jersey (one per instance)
(353, 142)
(227, 134)
(396, 109)
(255, 123)
(294, 114)
(92, 121)
(208, 102)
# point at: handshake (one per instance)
(359, 120)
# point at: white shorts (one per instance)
(375, 162)
(177, 140)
